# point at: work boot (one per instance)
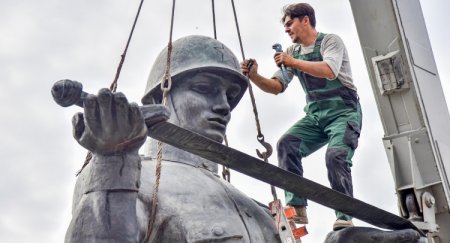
(341, 224)
(301, 217)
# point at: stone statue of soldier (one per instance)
(113, 194)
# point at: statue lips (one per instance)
(218, 122)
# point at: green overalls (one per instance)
(333, 117)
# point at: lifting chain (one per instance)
(260, 137)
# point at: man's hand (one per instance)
(249, 67)
(110, 125)
(283, 58)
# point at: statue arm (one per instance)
(113, 130)
(106, 192)
(105, 211)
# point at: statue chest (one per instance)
(195, 205)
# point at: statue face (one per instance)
(200, 103)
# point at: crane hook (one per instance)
(264, 155)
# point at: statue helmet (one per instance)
(194, 54)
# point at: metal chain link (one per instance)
(260, 137)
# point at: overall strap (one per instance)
(314, 84)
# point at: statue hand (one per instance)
(110, 125)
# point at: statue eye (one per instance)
(233, 92)
(201, 88)
(231, 96)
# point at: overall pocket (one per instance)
(352, 134)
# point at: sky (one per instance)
(44, 41)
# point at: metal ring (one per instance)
(168, 81)
(260, 137)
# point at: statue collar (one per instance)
(173, 154)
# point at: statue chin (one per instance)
(214, 134)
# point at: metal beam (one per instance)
(258, 169)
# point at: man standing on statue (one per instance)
(333, 113)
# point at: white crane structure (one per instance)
(412, 108)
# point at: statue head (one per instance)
(206, 84)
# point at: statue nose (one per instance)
(221, 105)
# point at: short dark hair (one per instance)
(299, 10)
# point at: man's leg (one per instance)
(290, 159)
(339, 174)
(299, 141)
(344, 133)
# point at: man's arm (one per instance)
(332, 50)
(269, 85)
(317, 69)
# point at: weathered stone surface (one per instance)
(114, 193)
(372, 235)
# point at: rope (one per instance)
(214, 19)
(260, 136)
(166, 84)
(226, 175)
(86, 162)
(113, 86)
(225, 170)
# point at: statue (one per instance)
(113, 194)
